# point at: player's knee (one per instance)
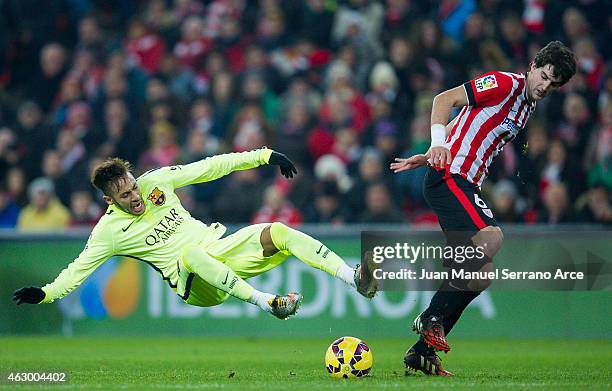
(480, 285)
(490, 238)
(278, 235)
(267, 243)
(484, 282)
(189, 253)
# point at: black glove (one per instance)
(31, 295)
(287, 168)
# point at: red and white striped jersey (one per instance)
(497, 110)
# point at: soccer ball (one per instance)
(348, 357)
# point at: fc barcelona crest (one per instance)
(157, 197)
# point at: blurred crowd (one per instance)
(341, 87)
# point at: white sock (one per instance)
(262, 299)
(346, 274)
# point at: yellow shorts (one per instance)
(242, 252)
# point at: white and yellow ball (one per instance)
(348, 357)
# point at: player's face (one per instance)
(126, 195)
(540, 82)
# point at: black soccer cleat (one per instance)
(430, 365)
(432, 331)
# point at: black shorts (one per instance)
(457, 202)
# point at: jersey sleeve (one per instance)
(489, 89)
(98, 249)
(209, 169)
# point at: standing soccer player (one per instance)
(146, 221)
(496, 106)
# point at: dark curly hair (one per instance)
(560, 57)
(109, 172)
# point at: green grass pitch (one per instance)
(135, 363)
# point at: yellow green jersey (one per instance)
(159, 235)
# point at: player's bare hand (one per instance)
(439, 157)
(410, 163)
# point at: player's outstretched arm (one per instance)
(217, 166)
(438, 154)
(98, 249)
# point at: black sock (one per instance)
(466, 298)
(445, 302)
(439, 304)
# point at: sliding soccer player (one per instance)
(496, 106)
(146, 221)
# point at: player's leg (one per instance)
(462, 215)
(243, 253)
(279, 237)
(216, 274)
(490, 238)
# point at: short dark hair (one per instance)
(109, 172)
(560, 57)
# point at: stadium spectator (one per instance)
(292, 134)
(513, 39)
(594, 206)
(34, 136)
(194, 45)
(400, 16)
(311, 70)
(53, 170)
(232, 42)
(9, 211)
(180, 80)
(91, 38)
(410, 183)
(16, 183)
(83, 211)
(9, 154)
(44, 212)
(315, 22)
(164, 149)
(505, 202)
(360, 22)
(557, 207)
(117, 135)
(371, 170)
(253, 89)
(144, 48)
(559, 168)
(276, 207)
(332, 168)
(224, 106)
(452, 16)
(239, 197)
(250, 129)
(270, 30)
(379, 206)
(43, 87)
(87, 70)
(401, 57)
(327, 206)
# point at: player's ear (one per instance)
(108, 200)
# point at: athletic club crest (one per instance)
(157, 197)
